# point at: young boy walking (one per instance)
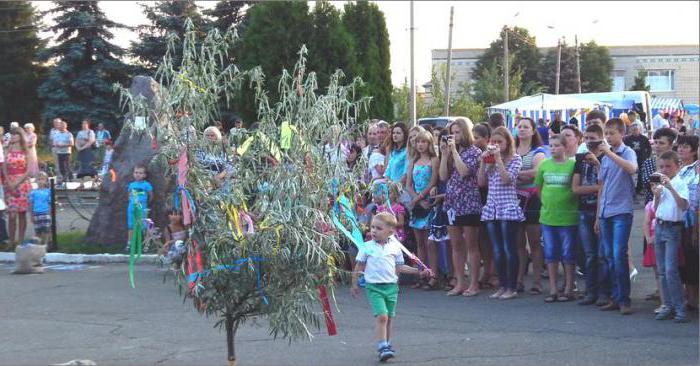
(616, 176)
(671, 202)
(381, 260)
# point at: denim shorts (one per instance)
(559, 244)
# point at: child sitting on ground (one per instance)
(381, 260)
(40, 199)
(174, 237)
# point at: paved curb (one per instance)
(86, 258)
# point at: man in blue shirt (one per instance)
(616, 177)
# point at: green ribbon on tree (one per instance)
(136, 240)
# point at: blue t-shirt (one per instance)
(41, 200)
(140, 189)
(397, 165)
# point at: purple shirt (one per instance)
(617, 194)
(502, 202)
(462, 195)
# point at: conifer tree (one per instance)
(330, 45)
(165, 17)
(366, 23)
(80, 83)
(19, 74)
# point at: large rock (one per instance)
(108, 224)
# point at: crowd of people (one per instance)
(24, 178)
(507, 203)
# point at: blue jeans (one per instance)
(589, 242)
(503, 236)
(559, 244)
(667, 240)
(614, 237)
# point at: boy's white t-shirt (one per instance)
(381, 261)
(668, 210)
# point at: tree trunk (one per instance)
(108, 223)
(231, 328)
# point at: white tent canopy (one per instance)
(550, 102)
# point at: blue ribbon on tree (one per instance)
(236, 267)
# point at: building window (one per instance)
(660, 80)
(618, 80)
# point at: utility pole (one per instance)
(556, 83)
(449, 64)
(506, 67)
(413, 78)
(578, 65)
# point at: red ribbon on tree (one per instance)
(330, 323)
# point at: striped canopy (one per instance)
(666, 105)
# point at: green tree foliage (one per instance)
(640, 81)
(461, 101)
(488, 88)
(596, 68)
(525, 61)
(79, 84)
(330, 45)
(401, 99)
(165, 17)
(567, 79)
(367, 25)
(275, 32)
(227, 13)
(275, 272)
(20, 76)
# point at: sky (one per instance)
(478, 23)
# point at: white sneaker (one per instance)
(633, 274)
(660, 309)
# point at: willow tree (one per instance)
(259, 244)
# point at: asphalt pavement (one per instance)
(90, 312)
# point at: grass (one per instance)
(73, 242)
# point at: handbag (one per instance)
(420, 212)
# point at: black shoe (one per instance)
(587, 301)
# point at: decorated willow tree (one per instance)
(259, 244)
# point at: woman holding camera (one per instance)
(498, 170)
(458, 166)
(529, 146)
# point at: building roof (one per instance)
(615, 51)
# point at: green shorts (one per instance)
(382, 298)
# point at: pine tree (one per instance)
(228, 13)
(167, 17)
(80, 83)
(19, 75)
(367, 25)
(330, 45)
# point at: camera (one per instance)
(491, 148)
(655, 178)
(592, 145)
(445, 138)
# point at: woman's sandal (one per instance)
(534, 290)
(566, 297)
(432, 285)
(450, 284)
(550, 298)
